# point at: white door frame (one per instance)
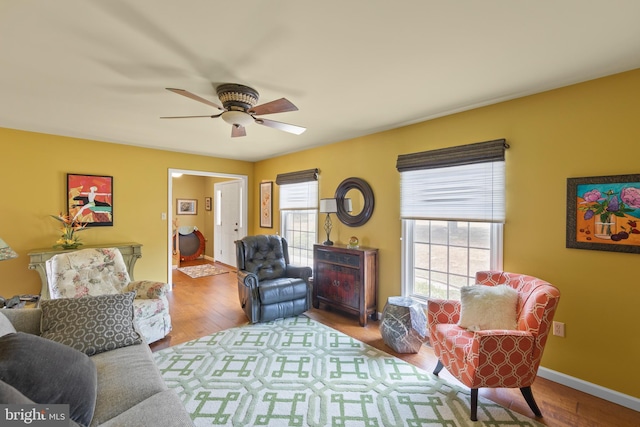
(243, 178)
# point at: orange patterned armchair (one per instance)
(496, 358)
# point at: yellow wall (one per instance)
(33, 175)
(588, 129)
(583, 130)
(191, 187)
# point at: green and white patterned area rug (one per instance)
(298, 372)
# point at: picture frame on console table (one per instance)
(90, 199)
(603, 213)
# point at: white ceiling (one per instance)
(98, 69)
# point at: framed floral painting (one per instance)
(90, 199)
(266, 204)
(603, 213)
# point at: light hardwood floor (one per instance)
(203, 306)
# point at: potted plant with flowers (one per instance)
(69, 239)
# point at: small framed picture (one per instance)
(207, 203)
(186, 206)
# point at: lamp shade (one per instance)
(328, 206)
(6, 252)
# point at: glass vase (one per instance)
(604, 229)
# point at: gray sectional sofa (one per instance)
(129, 390)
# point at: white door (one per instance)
(228, 226)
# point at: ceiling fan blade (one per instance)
(194, 97)
(190, 117)
(281, 126)
(278, 106)
(238, 130)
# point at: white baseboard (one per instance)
(590, 388)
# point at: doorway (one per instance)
(231, 209)
(229, 225)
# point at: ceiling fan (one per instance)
(239, 108)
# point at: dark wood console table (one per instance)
(346, 279)
(38, 258)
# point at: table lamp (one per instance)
(328, 206)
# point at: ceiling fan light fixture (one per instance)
(236, 95)
(239, 108)
(237, 118)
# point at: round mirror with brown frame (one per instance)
(355, 202)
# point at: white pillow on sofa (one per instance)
(488, 307)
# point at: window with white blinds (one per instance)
(452, 206)
(299, 214)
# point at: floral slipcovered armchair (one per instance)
(499, 357)
(91, 272)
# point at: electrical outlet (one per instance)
(558, 329)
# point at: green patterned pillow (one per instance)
(92, 324)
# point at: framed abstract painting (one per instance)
(90, 199)
(603, 213)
